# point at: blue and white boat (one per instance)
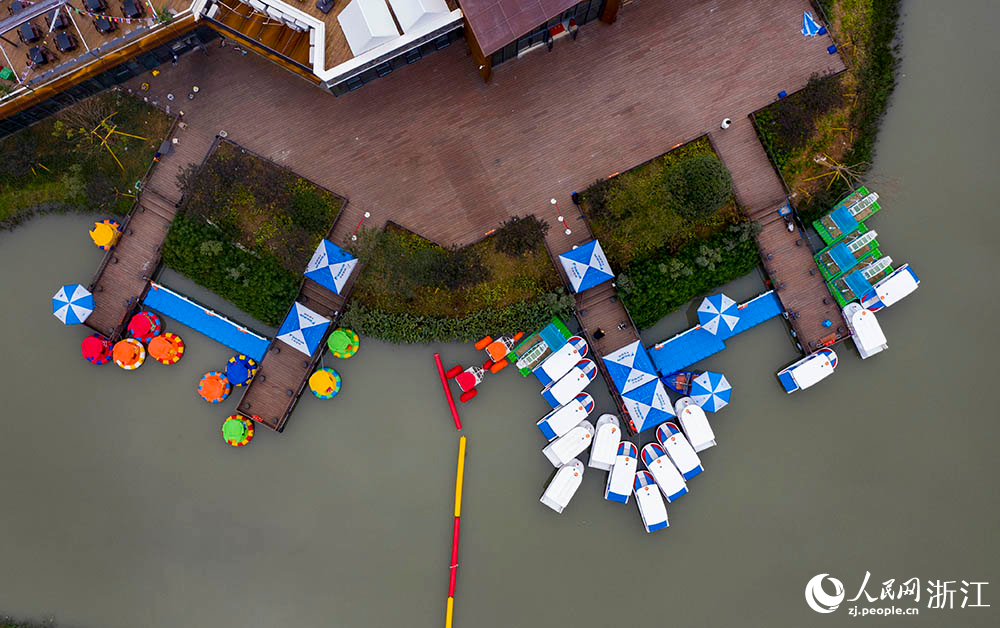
(619, 485)
(896, 285)
(569, 445)
(606, 440)
(808, 371)
(695, 424)
(650, 503)
(564, 418)
(561, 361)
(563, 486)
(667, 477)
(570, 384)
(680, 451)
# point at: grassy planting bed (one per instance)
(671, 229)
(413, 290)
(834, 121)
(247, 230)
(58, 165)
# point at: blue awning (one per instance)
(844, 220)
(843, 257)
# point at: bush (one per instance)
(311, 211)
(791, 121)
(699, 186)
(519, 236)
(256, 283)
(653, 288)
(408, 327)
(634, 217)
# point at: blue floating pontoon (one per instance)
(203, 320)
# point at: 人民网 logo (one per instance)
(818, 599)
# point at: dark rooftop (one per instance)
(496, 23)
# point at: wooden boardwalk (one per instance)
(123, 275)
(788, 259)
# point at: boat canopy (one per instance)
(867, 332)
(842, 256)
(813, 369)
(899, 284)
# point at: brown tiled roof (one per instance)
(496, 23)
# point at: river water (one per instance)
(121, 506)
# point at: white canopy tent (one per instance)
(367, 24)
(413, 14)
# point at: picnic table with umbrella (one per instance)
(303, 329)
(72, 304)
(642, 392)
(718, 315)
(711, 391)
(586, 266)
(331, 266)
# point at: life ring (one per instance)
(237, 430)
(129, 354)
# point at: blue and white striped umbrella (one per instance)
(809, 26)
(72, 304)
(711, 391)
(715, 309)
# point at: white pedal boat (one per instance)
(619, 485)
(561, 361)
(569, 445)
(695, 424)
(651, 507)
(570, 384)
(679, 450)
(667, 477)
(865, 331)
(563, 419)
(811, 369)
(606, 440)
(563, 486)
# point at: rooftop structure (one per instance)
(51, 46)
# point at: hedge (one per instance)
(405, 327)
(657, 286)
(256, 283)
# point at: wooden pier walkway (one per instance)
(123, 276)
(788, 259)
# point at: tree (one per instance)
(698, 186)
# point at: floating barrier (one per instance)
(214, 387)
(240, 370)
(96, 349)
(325, 383)
(459, 478)
(105, 234)
(145, 326)
(166, 348)
(237, 430)
(343, 343)
(447, 392)
(129, 354)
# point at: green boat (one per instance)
(853, 285)
(844, 256)
(538, 346)
(847, 215)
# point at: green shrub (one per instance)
(654, 287)
(311, 211)
(698, 186)
(519, 236)
(256, 283)
(408, 327)
(634, 217)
